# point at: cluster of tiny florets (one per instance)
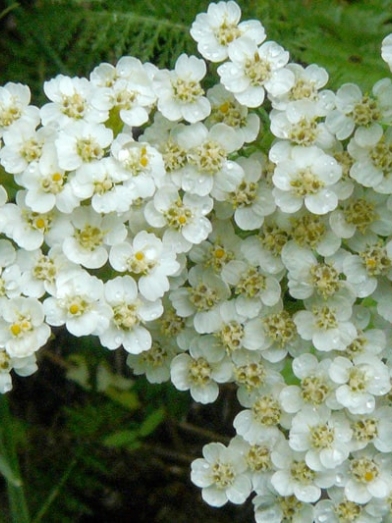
(141, 218)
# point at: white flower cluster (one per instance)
(148, 214)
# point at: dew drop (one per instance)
(339, 479)
(322, 518)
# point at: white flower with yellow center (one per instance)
(149, 260)
(208, 169)
(308, 82)
(226, 109)
(22, 327)
(73, 99)
(78, 303)
(364, 212)
(201, 370)
(325, 436)
(367, 475)
(254, 288)
(14, 105)
(253, 70)
(92, 234)
(216, 29)
(306, 176)
(300, 124)
(251, 200)
(316, 389)
(201, 298)
(184, 217)
(39, 271)
(142, 164)
(23, 145)
(273, 333)
(295, 477)
(361, 113)
(102, 181)
(23, 366)
(328, 324)
(128, 89)
(179, 92)
(359, 382)
(221, 475)
(82, 142)
(130, 312)
(307, 276)
(47, 184)
(31, 229)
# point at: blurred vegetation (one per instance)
(95, 443)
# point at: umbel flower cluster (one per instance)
(150, 213)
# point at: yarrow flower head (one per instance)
(227, 223)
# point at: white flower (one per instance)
(300, 124)
(295, 477)
(374, 428)
(9, 271)
(208, 169)
(308, 276)
(215, 30)
(220, 474)
(200, 371)
(273, 333)
(252, 70)
(367, 476)
(332, 510)
(102, 182)
(327, 324)
(306, 176)
(265, 414)
(325, 436)
(129, 312)
(91, 235)
(23, 366)
(201, 299)
(78, 303)
(22, 327)
(30, 229)
(150, 260)
(359, 381)
(271, 507)
(14, 105)
(315, 388)
(81, 142)
(308, 82)
(386, 50)
(362, 113)
(251, 199)
(184, 218)
(253, 287)
(372, 163)
(72, 99)
(225, 109)
(142, 164)
(128, 88)
(154, 363)
(39, 271)
(364, 212)
(46, 184)
(23, 145)
(180, 95)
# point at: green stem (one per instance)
(10, 466)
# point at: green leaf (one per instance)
(151, 422)
(121, 438)
(8, 473)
